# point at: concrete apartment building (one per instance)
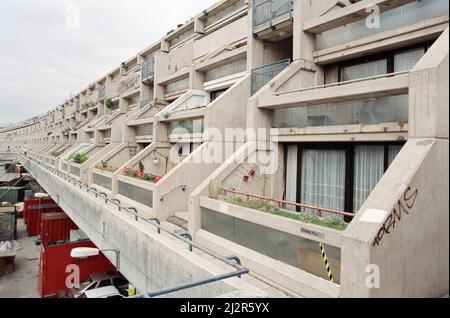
(274, 129)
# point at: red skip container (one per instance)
(55, 226)
(32, 210)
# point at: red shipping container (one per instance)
(32, 210)
(33, 203)
(54, 270)
(56, 226)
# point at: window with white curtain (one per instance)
(324, 175)
(368, 170)
(291, 175)
(323, 178)
(393, 152)
(405, 61)
(363, 70)
(393, 61)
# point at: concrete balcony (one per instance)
(403, 23)
(371, 87)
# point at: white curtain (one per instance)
(323, 179)
(369, 168)
(291, 175)
(364, 70)
(393, 152)
(407, 60)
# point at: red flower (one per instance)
(157, 179)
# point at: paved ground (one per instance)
(23, 282)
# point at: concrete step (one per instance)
(178, 222)
(183, 215)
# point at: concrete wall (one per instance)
(229, 34)
(402, 228)
(428, 97)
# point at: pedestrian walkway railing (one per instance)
(232, 261)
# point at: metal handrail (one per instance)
(183, 188)
(232, 261)
(213, 279)
(189, 237)
(283, 202)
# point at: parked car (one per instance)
(101, 279)
(103, 292)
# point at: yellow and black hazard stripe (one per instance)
(327, 264)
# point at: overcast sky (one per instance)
(46, 55)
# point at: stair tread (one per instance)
(183, 215)
(178, 222)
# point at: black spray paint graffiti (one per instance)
(404, 205)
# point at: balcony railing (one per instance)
(144, 130)
(262, 75)
(148, 69)
(283, 203)
(266, 11)
(101, 91)
(407, 14)
(376, 110)
(187, 127)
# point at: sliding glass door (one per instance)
(368, 170)
(323, 178)
(339, 176)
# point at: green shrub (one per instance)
(80, 158)
(267, 207)
(109, 103)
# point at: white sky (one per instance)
(44, 58)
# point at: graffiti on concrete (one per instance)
(403, 206)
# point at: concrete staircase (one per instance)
(132, 151)
(180, 219)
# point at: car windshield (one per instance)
(83, 285)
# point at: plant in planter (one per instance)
(55, 154)
(148, 177)
(109, 103)
(140, 174)
(80, 158)
(166, 115)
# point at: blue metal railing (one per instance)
(263, 75)
(101, 91)
(147, 69)
(232, 261)
(266, 11)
